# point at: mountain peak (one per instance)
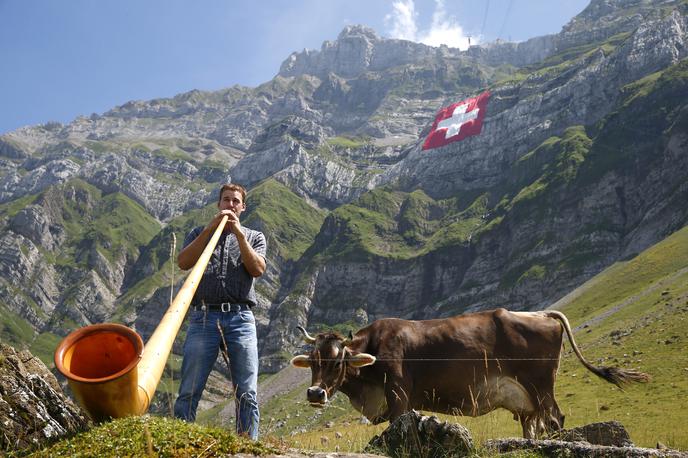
(357, 49)
(357, 31)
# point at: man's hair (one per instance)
(232, 187)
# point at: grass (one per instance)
(154, 436)
(14, 329)
(43, 346)
(290, 417)
(567, 153)
(646, 328)
(173, 154)
(637, 313)
(338, 426)
(119, 224)
(100, 146)
(343, 141)
(399, 225)
(112, 223)
(10, 209)
(630, 278)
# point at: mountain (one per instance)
(581, 163)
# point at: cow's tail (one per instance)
(613, 375)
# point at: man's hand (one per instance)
(233, 223)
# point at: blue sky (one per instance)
(62, 59)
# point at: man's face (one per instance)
(231, 200)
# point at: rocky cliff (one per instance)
(581, 162)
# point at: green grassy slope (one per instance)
(401, 225)
(286, 219)
(636, 315)
(111, 224)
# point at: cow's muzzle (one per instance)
(316, 396)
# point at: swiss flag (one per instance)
(457, 121)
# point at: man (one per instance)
(223, 300)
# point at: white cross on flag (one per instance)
(457, 121)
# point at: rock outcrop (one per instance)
(33, 409)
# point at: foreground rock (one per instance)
(300, 454)
(558, 448)
(414, 434)
(611, 433)
(33, 408)
(604, 439)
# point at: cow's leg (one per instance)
(544, 420)
(513, 396)
(540, 386)
(551, 418)
(529, 423)
(397, 395)
(555, 421)
(546, 416)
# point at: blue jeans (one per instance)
(203, 342)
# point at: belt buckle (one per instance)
(226, 307)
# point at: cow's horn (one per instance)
(349, 339)
(307, 337)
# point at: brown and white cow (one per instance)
(465, 365)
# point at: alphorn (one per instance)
(108, 369)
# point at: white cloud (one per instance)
(402, 20)
(444, 29)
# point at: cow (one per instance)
(464, 365)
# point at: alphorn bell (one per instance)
(108, 369)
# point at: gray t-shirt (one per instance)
(225, 278)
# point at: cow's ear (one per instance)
(301, 361)
(362, 359)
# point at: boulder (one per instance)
(413, 434)
(610, 433)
